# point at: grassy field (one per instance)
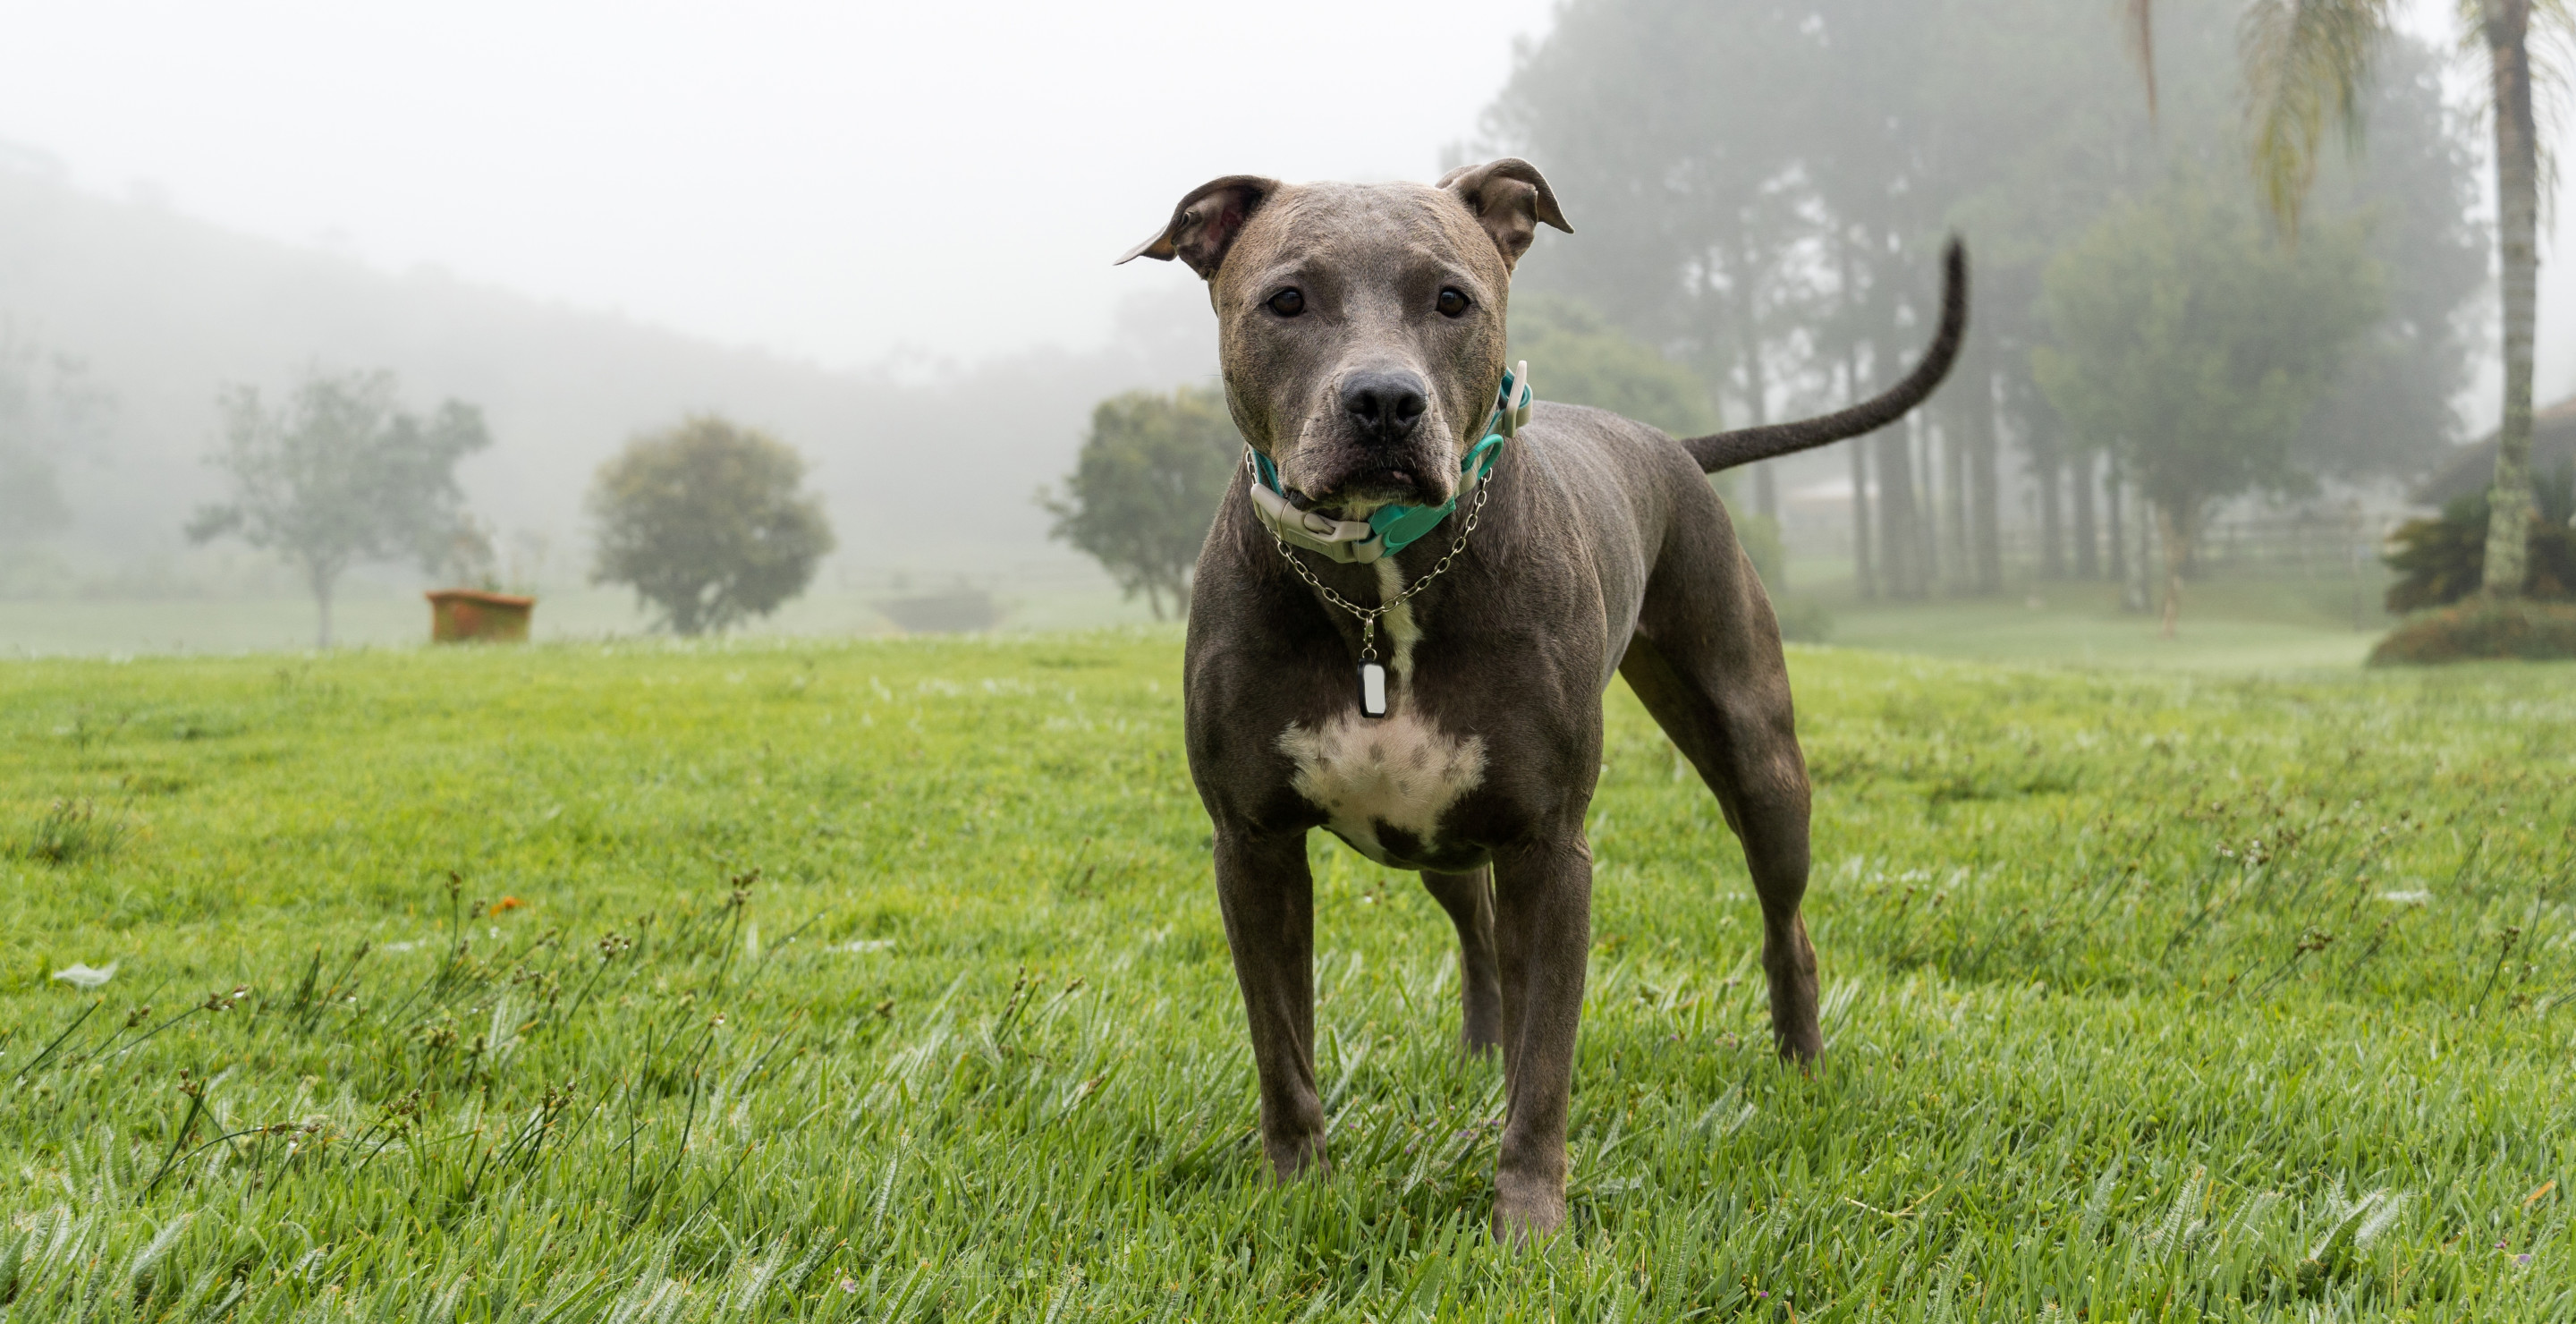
(883, 980)
(2227, 625)
(375, 615)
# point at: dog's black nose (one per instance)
(1385, 405)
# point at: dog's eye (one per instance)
(1453, 304)
(1288, 303)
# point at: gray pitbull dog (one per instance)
(1361, 332)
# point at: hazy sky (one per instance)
(837, 182)
(834, 181)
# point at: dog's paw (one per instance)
(1292, 1157)
(1527, 1211)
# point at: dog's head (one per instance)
(1361, 325)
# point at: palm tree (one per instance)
(2304, 65)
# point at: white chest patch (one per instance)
(1398, 771)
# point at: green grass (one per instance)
(884, 980)
(373, 614)
(2226, 625)
(2242, 624)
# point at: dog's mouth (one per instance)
(1369, 484)
(1382, 483)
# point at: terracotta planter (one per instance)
(469, 615)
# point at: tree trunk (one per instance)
(1985, 484)
(1935, 565)
(1766, 503)
(2111, 495)
(1922, 452)
(2088, 538)
(1856, 387)
(2049, 469)
(2142, 589)
(2507, 24)
(2171, 531)
(1954, 503)
(1863, 577)
(1766, 475)
(321, 577)
(1899, 550)
(1864, 510)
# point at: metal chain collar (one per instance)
(1368, 615)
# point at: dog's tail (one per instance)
(1725, 450)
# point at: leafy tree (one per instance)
(2440, 561)
(2391, 414)
(339, 473)
(1763, 186)
(2306, 64)
(1771, 182)
(706, 522)
(1577, 357)
(1146, 486)
(2193, 345)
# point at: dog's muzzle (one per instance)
(1388, 529)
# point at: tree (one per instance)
(1776, 178)
(2305, 65)
(2440, 561)
(339, 473)
(706, 521)
(1768, 182)
(1681, 120)
(1576, 357)
(1146, 486)
(2192, 345)
(2391, 413)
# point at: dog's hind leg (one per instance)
(1469, 899)
(1706, 662)
(1268, 896)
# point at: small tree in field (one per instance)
(705, 521)
(2192, 344)
(339, 473)
(1146, 486)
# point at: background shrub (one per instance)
(2441, 561)
(2481, 629)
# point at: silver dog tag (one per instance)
(1372, 690)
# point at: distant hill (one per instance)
(930, 469)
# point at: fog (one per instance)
(884, 232)
(833, 182)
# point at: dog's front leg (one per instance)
(1268, 896)
(1543, 929)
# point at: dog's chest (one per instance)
(1383, 784)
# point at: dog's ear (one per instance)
(1509, 198)
(1206, 222)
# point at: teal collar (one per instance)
(1391, 528)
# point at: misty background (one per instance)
(884, 234)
